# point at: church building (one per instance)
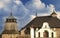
(39, 27)
(10, 28)
(42, 27)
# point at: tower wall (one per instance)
(10, 36)
(11, 26)
(10, 29)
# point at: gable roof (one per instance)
(53, 22)
(37, 22)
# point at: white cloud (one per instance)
(38, 4)
(6, 1)
(45, 14)
(17, 2)
(35, 4)
(32, 16)
(1, 4)
(51, 8)
(42, 10)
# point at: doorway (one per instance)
(45, 34)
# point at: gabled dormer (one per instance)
(54, 14)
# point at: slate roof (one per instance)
(37, 22)
(53, 22)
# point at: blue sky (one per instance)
(56, 3)
(25, 10)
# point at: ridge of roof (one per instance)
(40, 17)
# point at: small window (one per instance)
(45, 25)
(52, 34)
(39, 34)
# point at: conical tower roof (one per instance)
(11, 16)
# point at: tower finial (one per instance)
(11, 13)
(36, 13)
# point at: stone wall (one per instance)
(24, 36)
(9, 35)
(58, 32)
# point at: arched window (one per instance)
(39, 34)
(52, 34)
(45, 34)
(45, 25)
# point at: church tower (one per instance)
(10, 29)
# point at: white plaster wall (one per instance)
(32, 32)
(47, 28)
(44, 28)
